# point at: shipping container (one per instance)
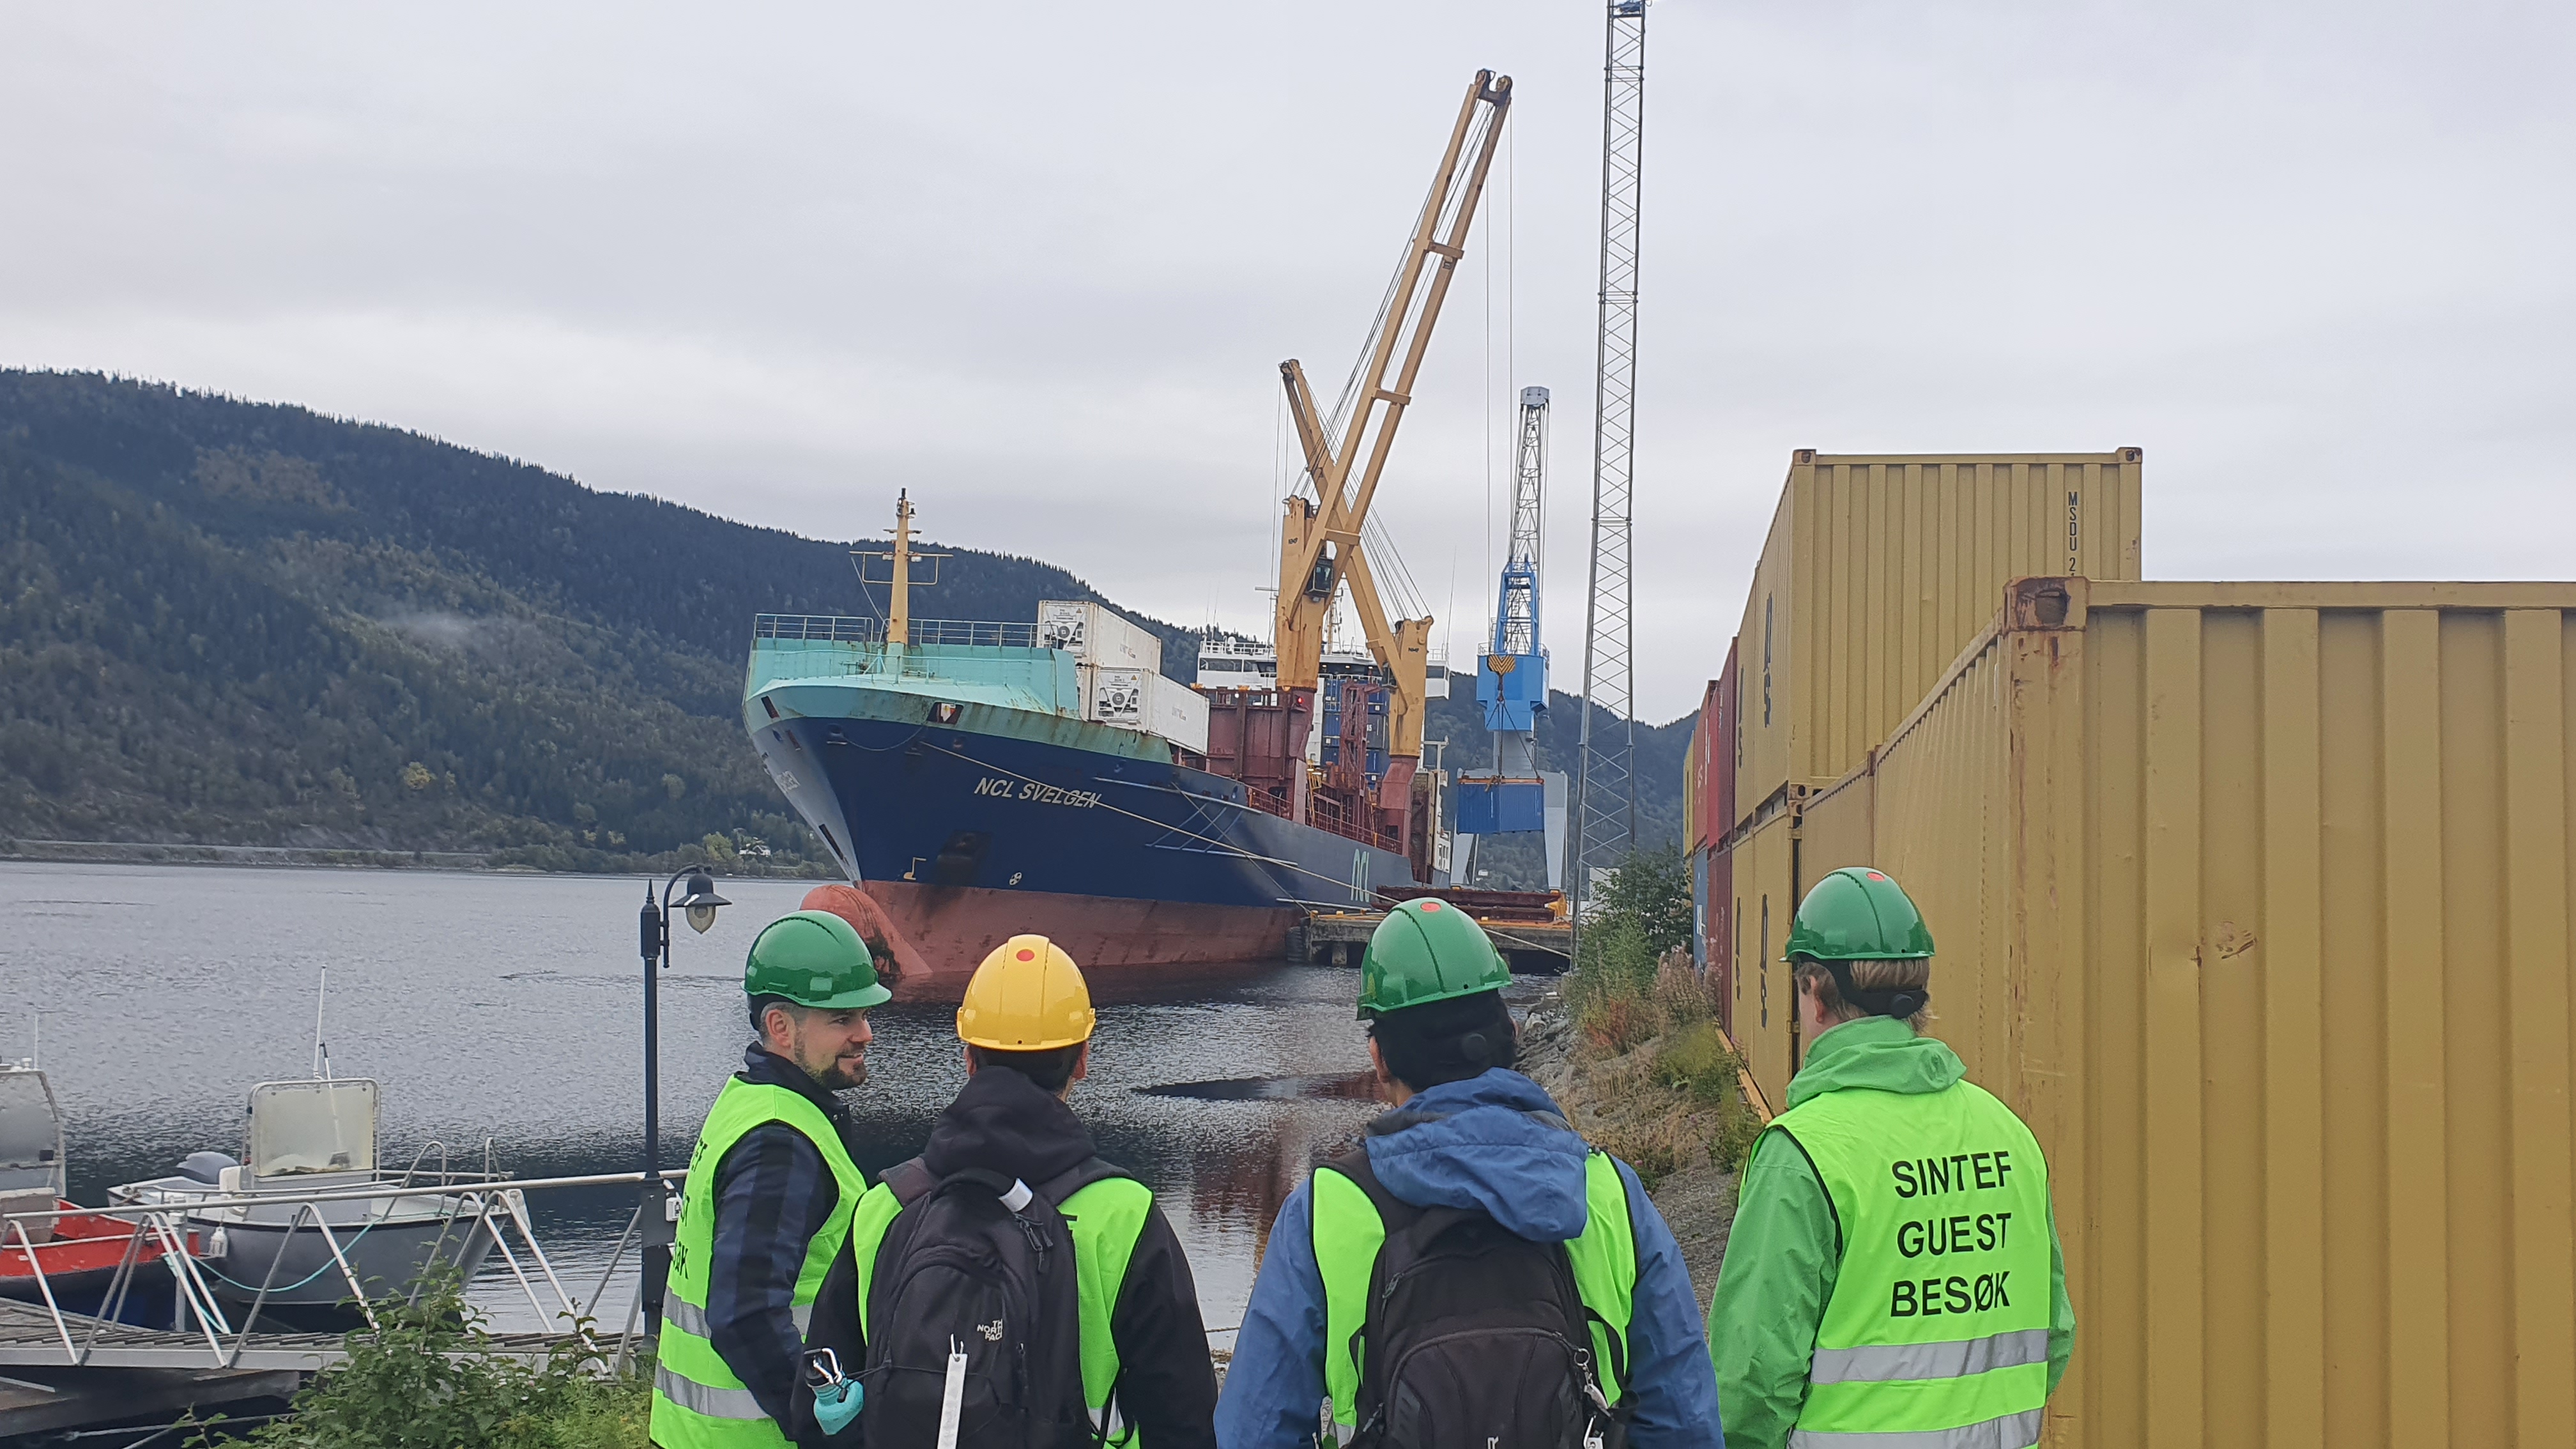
(1760, 873)
(1878, 569)
(1717, 917)
(2255, 901)
(1140, 699)
(1694, 783)
(1725, 751)
(1094, 633)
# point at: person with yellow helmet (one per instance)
(1893, 1275)
(1008, 1270)
(766, 1207)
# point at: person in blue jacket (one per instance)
(1466, 1132)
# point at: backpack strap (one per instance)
(910, 1181)
(1065, 1184)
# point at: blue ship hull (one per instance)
(966, 836)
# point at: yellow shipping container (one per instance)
(1879, 569)
(2254, 899)
(1760, 872)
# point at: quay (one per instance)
(1532, 929)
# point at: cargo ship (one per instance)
(976, 780)
(979, 780)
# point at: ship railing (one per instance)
(1326, 814)
(204, 1334)
(847, 629)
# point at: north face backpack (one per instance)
(981, 1265)
(1474, 1337)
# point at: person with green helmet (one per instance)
(1475, 1272)
(769, 1193)
(1893, 1274)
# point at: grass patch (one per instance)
(1646, 1022)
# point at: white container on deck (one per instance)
(1096, 634)
(1140, 699)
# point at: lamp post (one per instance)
(699, 905)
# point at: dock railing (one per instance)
(204, 1335)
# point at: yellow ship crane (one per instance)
(1320, 548)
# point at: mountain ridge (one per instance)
(235, 622)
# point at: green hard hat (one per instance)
(812, 958)
(1427, 950)
(1858, 914)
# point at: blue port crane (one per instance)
(1515, 796)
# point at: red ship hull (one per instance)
(937, 935)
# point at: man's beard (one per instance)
(834, 1079)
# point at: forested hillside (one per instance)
(234, 623)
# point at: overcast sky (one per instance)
(1039, 263)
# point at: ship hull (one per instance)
(1003, 822)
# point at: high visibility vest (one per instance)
(698, 1400)
(1105, 1218)
(1938, 1325)
(1348, 1232)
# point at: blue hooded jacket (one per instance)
(1483, 1152)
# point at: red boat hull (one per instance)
(82, 1256)
(937, 935)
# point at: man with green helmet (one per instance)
(1556, 1305)
(769, 1193)
(1893, 1274)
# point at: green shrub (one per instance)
(429, 1377)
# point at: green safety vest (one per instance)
(698, 1401)
(1105, 1218)
(1938, 1325)
(1347, 1233)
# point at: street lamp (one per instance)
(699, 905)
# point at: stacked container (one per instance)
(1878, 569)
(1094, 633)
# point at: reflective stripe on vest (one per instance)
(1936, 1336)
(698, 1400)
(1105, 1219)
(1347, 1233)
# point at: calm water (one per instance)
(510, 1008)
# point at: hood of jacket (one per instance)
(1003, 1122)
(1477, 1144)
(1879, 1054)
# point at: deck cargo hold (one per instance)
(2254, 900)
(1878, 569)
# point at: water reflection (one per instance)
(507, 1009)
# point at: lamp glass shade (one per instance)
(702, 901)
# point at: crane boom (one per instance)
(1319, 546)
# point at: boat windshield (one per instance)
(30, 1134)
(306, 1127)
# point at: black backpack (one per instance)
(1475, 1337)
(961, 1271)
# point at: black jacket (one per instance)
(1003, 1122)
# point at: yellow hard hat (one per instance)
(1028, 996)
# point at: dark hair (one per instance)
(760, 1013)
(1446, 1041)
(1049, 1069)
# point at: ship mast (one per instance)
(899, 600)
(899, 580)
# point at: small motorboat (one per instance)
(306, 1210)
(77, 1252)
